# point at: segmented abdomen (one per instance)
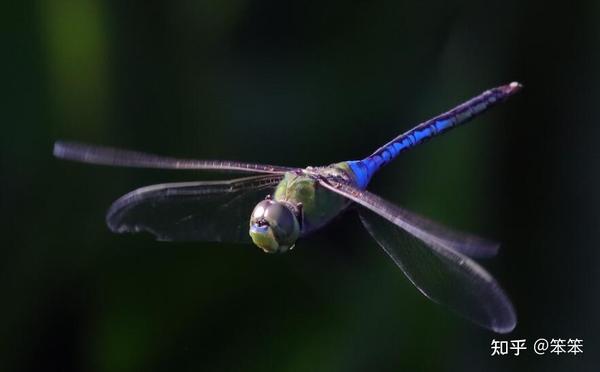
(364, 169)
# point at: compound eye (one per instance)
(259, 210)
(283, 217)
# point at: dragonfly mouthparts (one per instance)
(260, 227)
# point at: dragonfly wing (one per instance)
(423, 228)
(444, 276)
(102, 155)
(441, 273)
(216, 211)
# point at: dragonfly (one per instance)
(273, 206)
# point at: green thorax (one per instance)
(319, 205)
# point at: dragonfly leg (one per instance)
(300, 215)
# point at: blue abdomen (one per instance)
(365, 169)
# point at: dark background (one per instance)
(295, 83)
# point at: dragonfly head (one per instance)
(273, 226)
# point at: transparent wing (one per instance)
(438, 271)
(428, 231)
(126, 158)
(210, 211)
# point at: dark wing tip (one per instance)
(117, 214)
(506, 325)
(118, 209)
(71, 151)
(114, 215)
(482, 249)
(504, 320)
(59, 149)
